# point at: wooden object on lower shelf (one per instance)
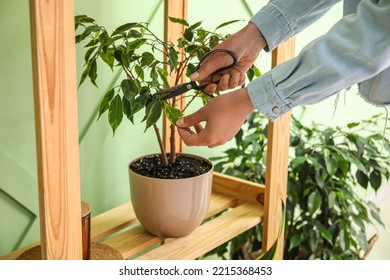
(98, 252)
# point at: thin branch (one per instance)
(160, 142)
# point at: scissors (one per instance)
(183, 88)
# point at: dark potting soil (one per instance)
(183, 167)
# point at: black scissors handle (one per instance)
(229, 52)
(182, 88)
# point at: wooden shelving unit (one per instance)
(55, 99)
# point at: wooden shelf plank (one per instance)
(132, 242)
(222, 229)
(238, 188)
(112, 221)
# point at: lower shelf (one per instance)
(238, 204)
(241, 198)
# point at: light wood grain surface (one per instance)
(277, 163)
(173, 31)
(55, 103)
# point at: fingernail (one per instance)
(194, 76)
(179, 122)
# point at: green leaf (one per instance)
(314, 203)
(126, 27)
(375, 179)
(105, 103)
(178, 20)
(163, 75)
(129, 89)
(331, 166)
(92, 73)
(195, 25)
(173, 58)
(127, 109)
(140, 72)
(362, 178)
(85, 73)
(153, 113)
(108, 58)
(344, 240)
(188, 35)
(256, 71)
(88, 53)
(297, 161)
(343, 165)
(172, 113)
(115, 113)
(227, 23)
(295, 240)
(135, 44)
(87, 31)
(147, 59)
(191, 68)
(135, 34)
(332, 200)
(250, 74)
(214, 41)
(376, 216)
(325, 233)
(352, 125)
(352, 159)
(83, 19)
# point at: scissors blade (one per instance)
(176, 90)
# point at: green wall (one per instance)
(103, 158)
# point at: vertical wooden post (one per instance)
(55, 104)
(172, 31)
(277, 163)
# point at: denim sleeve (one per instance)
(355, 49)
(281, 19)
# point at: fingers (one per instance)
(211, 64)
(191, 120)
(226, 82)
(190, 138)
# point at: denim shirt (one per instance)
(356, 50)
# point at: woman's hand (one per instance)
(246, 44)
(223, 116)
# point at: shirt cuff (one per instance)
(273, 25)
(266, 99)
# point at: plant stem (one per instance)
(160, 142)
(172, 138)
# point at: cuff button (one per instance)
(276, 110)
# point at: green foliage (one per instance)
(146, 61)
(325, 216)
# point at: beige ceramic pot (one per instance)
(170, 207)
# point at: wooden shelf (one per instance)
(134, 242)
(55, 102)
(120, 229)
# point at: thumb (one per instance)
(205, 70)
(191, 120)
(209, 66)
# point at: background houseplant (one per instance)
(325, 216)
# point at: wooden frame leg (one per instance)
(55, 103)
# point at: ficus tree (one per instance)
(146, 62)
(329, 168)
